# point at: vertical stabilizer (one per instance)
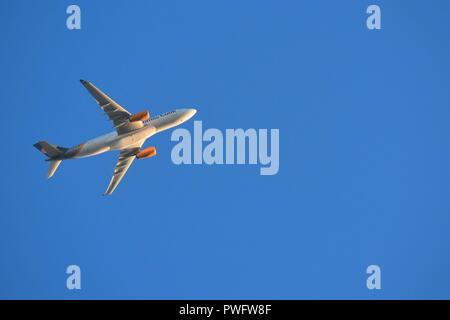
(49, 149)
(54, 164)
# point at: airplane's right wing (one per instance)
(126, 158)
(117, 114)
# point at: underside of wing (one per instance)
(118, 115)
(126, 158)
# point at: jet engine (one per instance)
(146, 153)
(140, 116)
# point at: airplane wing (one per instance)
(118, 115)
(126, 158)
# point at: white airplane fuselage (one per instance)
(114, 141)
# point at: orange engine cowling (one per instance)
(140, 116)
(146, 153)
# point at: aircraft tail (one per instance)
(51, 151)
(54, 164)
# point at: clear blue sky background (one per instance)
(364, 150)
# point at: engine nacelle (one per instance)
(146, 153)
(140, 116)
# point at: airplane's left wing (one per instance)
(117, 114)
(126, 158)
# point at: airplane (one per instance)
(131, 131)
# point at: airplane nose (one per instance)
(190, 113)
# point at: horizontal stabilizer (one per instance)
(54, 164)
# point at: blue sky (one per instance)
(364, 160)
